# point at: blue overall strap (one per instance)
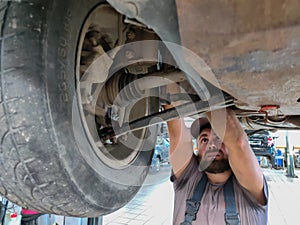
(193, 204)
(232, 217)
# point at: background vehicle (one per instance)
(81, 85)
(262, 143)
(297, 159)
(161, 153)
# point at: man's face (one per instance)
(213, 155)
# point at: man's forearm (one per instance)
(240, 155)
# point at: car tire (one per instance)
(49, 161)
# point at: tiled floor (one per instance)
(154, 203)
(151, 206)
(284, 195)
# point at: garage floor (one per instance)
(154, 203)
(284, 195)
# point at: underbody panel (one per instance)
(252, 47)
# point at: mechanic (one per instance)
(224, 183)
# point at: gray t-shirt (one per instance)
(212, 207)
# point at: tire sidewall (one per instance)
(63, 30)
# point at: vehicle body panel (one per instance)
(252, 47)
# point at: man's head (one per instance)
(212, 153)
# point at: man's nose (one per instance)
(214, 143)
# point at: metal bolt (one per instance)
(94, 41)
(91, 98)
(129, 54)
(130, 35)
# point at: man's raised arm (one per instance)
(240, 155)
(181, 146)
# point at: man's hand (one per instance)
(227, 127)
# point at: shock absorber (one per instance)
(125, 88)
(121, 89)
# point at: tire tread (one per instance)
(19, 183)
